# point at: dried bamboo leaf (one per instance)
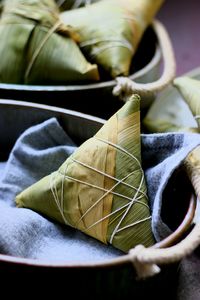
(100, 189)
(110, 30)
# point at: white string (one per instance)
(197, 117)
(139, 188)
(117, 210)
(107, 175)
(120, 195)
(98, 187)
(135, 223)
(123, 43)
(106, 47)
(109, 215)
(126, 212)
(119, 148)
(103, 196)
(62, 190)
(56, 197)
(133, 200)
(39, 48)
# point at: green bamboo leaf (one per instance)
(169, 113)
(190, 90)
(158, 126)
(100, 189)
(37, 48)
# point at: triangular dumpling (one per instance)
(110, 30)
(100, 189)
(36, 48)
(190, 90)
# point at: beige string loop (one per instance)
(125, 86)
(145, 260)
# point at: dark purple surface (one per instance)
(182, 20)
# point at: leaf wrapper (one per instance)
(36, 48)
(190, 90)
(100, 189)
(110, 31)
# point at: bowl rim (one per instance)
(155, 60)
(124, 258)
(112, 262)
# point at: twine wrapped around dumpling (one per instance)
(100, 189)
(190, 90)
(35, 47)
(110, 30)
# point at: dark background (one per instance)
(182, 21)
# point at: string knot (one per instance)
(125, 86)
(143, 269)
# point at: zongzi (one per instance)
(100, 189)
(169, 113)
(35, 47)
(190, 90)
(110, 31)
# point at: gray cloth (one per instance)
(161, 155)
(2, 167)
(39, 151)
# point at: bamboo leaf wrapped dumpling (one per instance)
(100, 189)
(110, 30)
(162, 116)
(190, 90)
(36, 47)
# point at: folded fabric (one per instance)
(25, 233)
(162, 154)
(38, 151)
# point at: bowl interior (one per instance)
(17, 116)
